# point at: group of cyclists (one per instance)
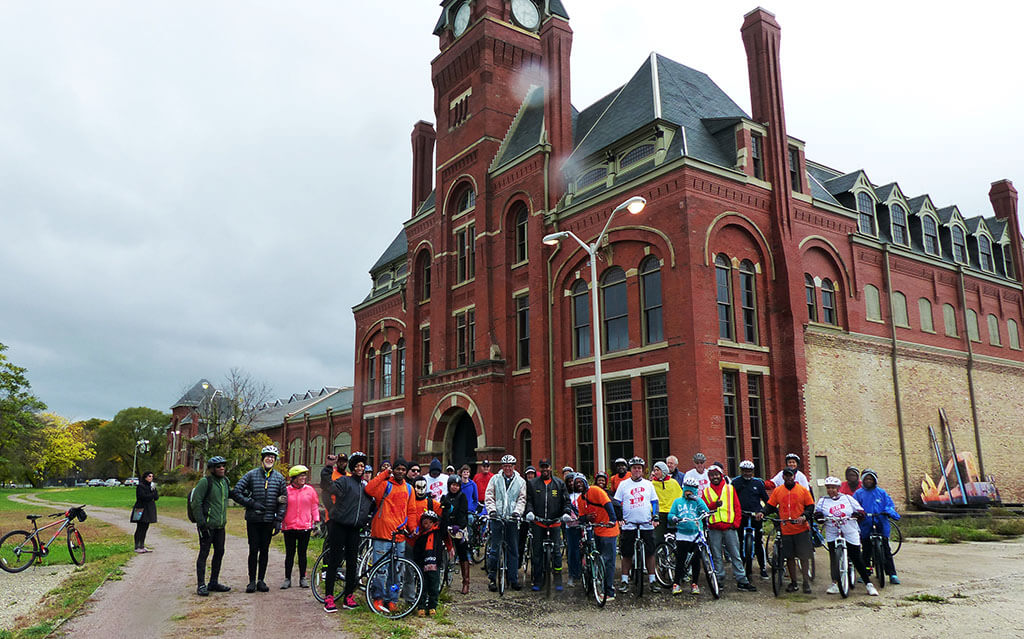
(427, 517)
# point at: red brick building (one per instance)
(762, 303)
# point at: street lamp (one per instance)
(174, 448)
(634, 205)
(144, 445)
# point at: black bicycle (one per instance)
(19, 548)
(594, 577)
(504, 549)
(876, 539)
(748, 546)
(478, 532)
(778, 556)
(665, 560)
(638, 572)
(707, 559)
(548, 552)
(319, 571)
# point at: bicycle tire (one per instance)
(878, 559)
(548, 566)
(748, 551)
(448, 574)
(14, 556)
(842, 570)
(318, 575)
(665, 564)
(778, 573)
(406, 579)
(813, 567)
(76, 547)
(710, 572)
(895, 537)
(502, 570)
(597, 580)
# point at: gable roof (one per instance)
(996, 227)
(428, 203)
(198, 393)
(946, 213)
(883, 192)
(916, 204)
(844, 183)
(818, 190)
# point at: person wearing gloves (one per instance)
(639, 512)
(547, 508)
(877, 502)
(505, 497)
(721, 499)
(845, 508)
(455, 521)
(350, 511)
(301, 517)
(793, 502)
(685, 514)
(264, 493)
(395, 513)
(209, 509)
(595, 506)
(437, 482)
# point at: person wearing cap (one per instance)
(301, 517)
(601, 481)
(437, 482)
(413, 473)
(449, 470)
(852, 483)
(505, 498)
(395, 513)
(530, 473)
(876, 501)
(367, 474)
(595, 506)
(350, 510)
(793, 462)
(668, 491)
(699, 472)
(673, 469)
(385, 464)
(720, 498)
(621, 473)
(210, 512)
(482, 478)
(685, 514)
(848, 512)
(566, 471)
(455, 520)
(427, 549)
(793, 501)
(752, 495)
(547, 508)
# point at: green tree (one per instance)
(18, 419)
(116, 442)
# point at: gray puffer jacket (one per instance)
(269, 491)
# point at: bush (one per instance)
(952, 531)
(1007, 527)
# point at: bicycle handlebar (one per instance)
(702, 517)
(782, 521)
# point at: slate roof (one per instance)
(973, 223)
(312, 402)
(843, 183)
(883, 192)
(428, 203)
(818, 190)
(398, 248)
(556, 8)
(996, 227)
(916, 203)
(526, 131)
(196, 394)
(945, 213)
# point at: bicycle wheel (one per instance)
(502, 571)
(665, 564)
(843, 570)
(76, 547)
(448, 574)
(597, 585)
(895, 538)
(813, 566)
(748, 551)
(318, 575)
(638, 572)
(403, 581)
(709, 570)
(878, 559)
(778, 570)
(17, 550)
(548, 568)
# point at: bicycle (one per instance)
(706, 558)
(526, 559)
(19, 548)
(478, 533)
(548, 550)
(841, 564)
(749, 545)
(638, 571)
(396, 576)
(778, 558)
(319, 571)
(877, 540)
(501, 569)
(594, 577)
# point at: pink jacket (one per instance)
(303, 508)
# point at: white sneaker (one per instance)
(833, 589)
(872, 590)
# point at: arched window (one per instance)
(899, 310)
(400, 379)
(748, 301)
(828, 303)
(872, 303)
(636, 155)
(866, 217)
(924, 309)
(812, 298)
(650, 292)
(465, 200)
(521, 217)
(295, 452)
(972, 326)
(949, 320)
(959, 245)
(385, 370)
(985, 254)
(931, 235)
(423, 272)
(616, 310)
(581, 311)
(342, 443)
(898, 216)
(1013, 336)
(993, 331)
(723, 295)
(371, 374)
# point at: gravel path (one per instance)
(21, 592)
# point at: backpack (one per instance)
(191, 498)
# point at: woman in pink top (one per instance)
(302, 516)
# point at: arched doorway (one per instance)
(461, 448)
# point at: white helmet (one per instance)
(746, 463)
(508, 459)
(833, 481)
(269, 450)
(689, 483)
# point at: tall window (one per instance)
(748, 302)
(898, 217)
(924, 309)
(385, 438)
(828, 303)
(949, 320)
(581, 339)
(465, 200)
(931, 235)
(985, 254)
(386, 370)
(1008, 260)
(959, 245)
(972, 326)
(723, 294)
(872, 303)
(754, 414)
(993, 331)
(521, 219)
(899, 310)
(866, 214)
(584, 401)
(425, 350)
(526, 448)
(656, 396)
(523, 331)
(399, 436)
(465, 337)
(794, 169)
(812, 298)
(400, 380)
(757, 154)
(618, 403)
(1013, 336)
(616, 310)
(650, 290)
(424, 272)
(465, 242)
(371, 374)
(371, 439)
(732, 449)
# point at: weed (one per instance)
(874, 605)
(916, 612)
(1007, 527)
(959, 595)
(926, 598)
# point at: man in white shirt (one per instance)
(437, 482)
(639, 512)
(699, 473)
(793, 461)
(845, 508)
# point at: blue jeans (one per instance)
(606, 546)
(572, 551)
(501, 529)
(377, 588)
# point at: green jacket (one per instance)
(214, 504)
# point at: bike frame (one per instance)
(503, 549)
(66, 524)
(840, 543)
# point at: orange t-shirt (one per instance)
(593, 503)
(791, 504)
(613, 482)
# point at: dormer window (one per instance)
(985, 254)
(590, 178)
(959, 245)
(930, 235)
(898, 218)
(382, 281)
(866, 210)
(636, 156)
(757, 155)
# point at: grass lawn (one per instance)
(952, 531)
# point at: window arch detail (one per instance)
(748, 301)
(898, 219)
(924, 310)
(985, 254)
(811, 295)
(993, 331)
(930, 235)
(972, 326)
(899, 310)
(582, 340)
(949, 320)
(959, 248)
(866, 214)
(520, 218)
(829, 312)
(1012, 334)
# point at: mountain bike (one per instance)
(19, 548)
(706, 557)
(638, 572)
(778, 556)
(395, 582)
(749, 546)
(548, 552)
(842, 567)
(478, 533)
(504, 549)
(319, 571)
(876, 541)
(526, 559)
(594, 577)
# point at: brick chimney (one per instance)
(423, 137)
(1003, 197)
(556, 43)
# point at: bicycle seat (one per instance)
(32, 517)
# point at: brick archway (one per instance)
(443, 420)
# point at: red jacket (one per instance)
(481, 479)
(724, 511)
(395, 506)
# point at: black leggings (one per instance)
(854, 553)
(215, 539)
(141, 528)
(259, 534)
(291, 539)
(684, 548)
(342, 542)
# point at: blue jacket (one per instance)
(687, 509)
(875, 501)
(470, 491)
(751, 494)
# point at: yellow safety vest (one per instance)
(726, 514)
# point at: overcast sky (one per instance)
(191, 186)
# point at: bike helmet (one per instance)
(367, 469)
(508, 459)
(269, 450)
(600, 473)
(454, 479)
(449, 469)
(747, 464)
(636, 461)
(355, 458)
(699, 458)
(690, 483)
(429, 514)
(833, 481)
(619, 460)
(297, 470)
(217, 460)
(531, 469)
(793, 456)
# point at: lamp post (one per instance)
(634, 205)
(144, 445)
(174, 448)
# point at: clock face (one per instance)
(526, 14)
(461, 19)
